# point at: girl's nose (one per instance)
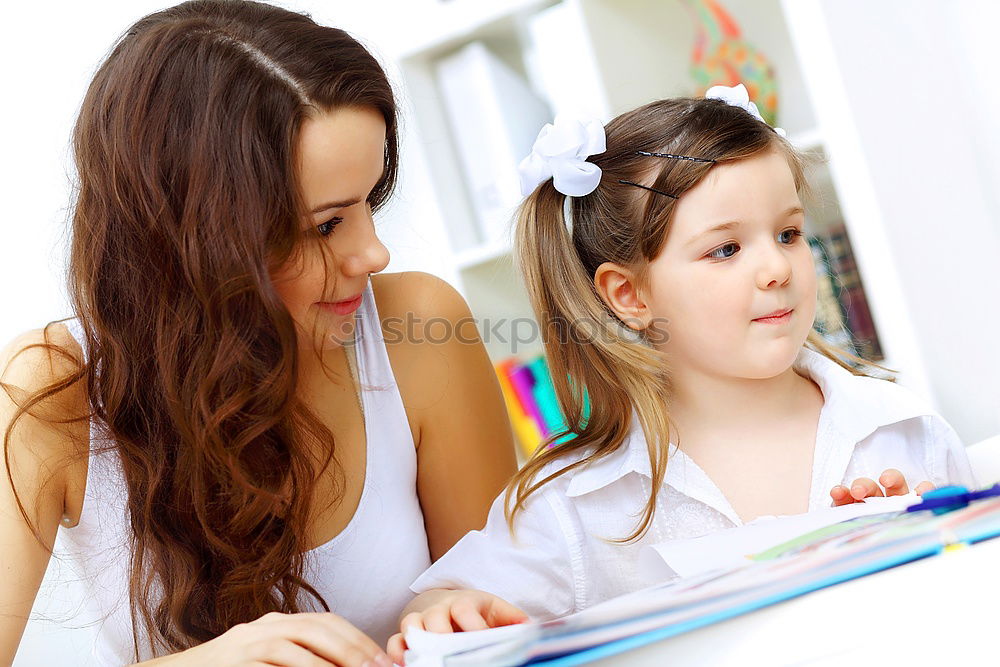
(774, 271)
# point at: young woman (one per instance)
(242, 429)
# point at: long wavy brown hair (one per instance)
(594, 357)
(185, 149)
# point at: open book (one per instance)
(823, 556)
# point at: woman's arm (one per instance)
(465, 448)
(42, 459)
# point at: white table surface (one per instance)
(943, 610)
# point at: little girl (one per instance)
(671, 278)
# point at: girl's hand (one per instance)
(454, 611)
(289, 640)
(861, 488)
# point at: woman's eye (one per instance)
(725, 251)
(790, 235)
(327, 227)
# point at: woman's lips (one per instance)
(777, 317)
(345, 307)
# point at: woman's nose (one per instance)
(369, 255)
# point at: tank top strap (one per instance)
(372, 358)
(76, 331)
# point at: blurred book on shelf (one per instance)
(831, 316)
(851, 293)
(531, 403)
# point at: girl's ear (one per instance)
(619, 289)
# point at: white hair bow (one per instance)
(560, 152)
(737, 96)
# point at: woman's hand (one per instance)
(453, 611)
(289, 640)
(892, 480)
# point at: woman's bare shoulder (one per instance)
(418, 295)
(30, 363)
(39, 357)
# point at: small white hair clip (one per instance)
(560, 152)
(738, 96)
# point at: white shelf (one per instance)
(808, 140)
(608, 56)
(472, 257)
(458, 22)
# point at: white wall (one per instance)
(935, 152)
(48, 61)
(924, 100)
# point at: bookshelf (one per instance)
(601, 57)
(570, 53)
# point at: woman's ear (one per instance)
(618, 288)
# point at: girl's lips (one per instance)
(778, 317)
(342, 307)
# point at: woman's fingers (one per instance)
(332, 638)
(923, 488)
(894, 483)
(287, 654)
(863, 487)
(353, 636)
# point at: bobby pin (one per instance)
(646, 187)
(675, 157)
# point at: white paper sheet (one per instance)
(730, 548)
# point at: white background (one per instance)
(49, 52)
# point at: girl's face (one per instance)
(341, 158)
(735, 280)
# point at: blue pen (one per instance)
(949, 498)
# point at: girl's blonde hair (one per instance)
(591, 353)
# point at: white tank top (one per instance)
(363, 573)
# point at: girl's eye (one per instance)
(327, 227)
(789, 236)
(725, 251)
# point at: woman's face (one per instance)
(735, 279)
(341, 159)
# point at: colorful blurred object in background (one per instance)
(722, 57)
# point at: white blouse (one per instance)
(560, 559)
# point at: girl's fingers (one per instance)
(894, 483)
(863, 487)
(438, 619)
(923, 488)
(500, 612)
(396, 647)
(412, 620)
(841, 495)
(467, 616)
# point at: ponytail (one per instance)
(591, 354)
